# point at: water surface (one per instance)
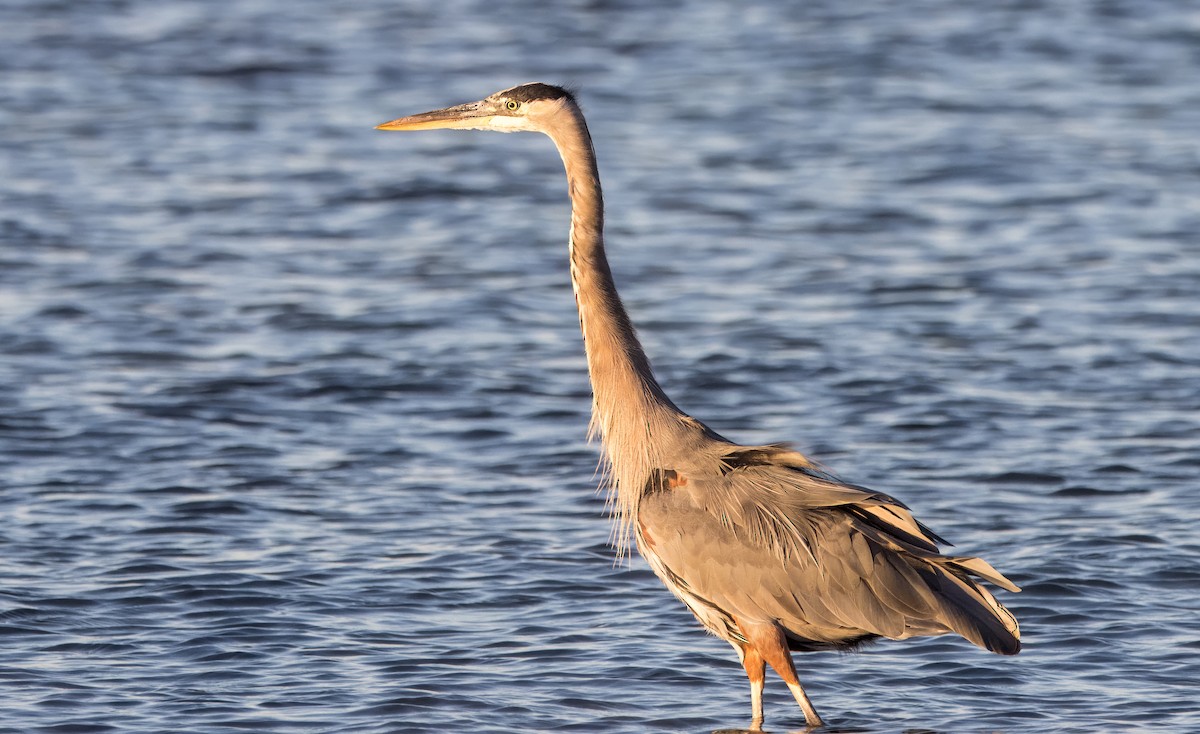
(292, 412)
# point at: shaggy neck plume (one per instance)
(628, 406)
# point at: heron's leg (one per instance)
(811, 717)
(756, 669)
(768, 640)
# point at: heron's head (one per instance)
(526, 107)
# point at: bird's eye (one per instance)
(512, 105)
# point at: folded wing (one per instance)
(773, 538)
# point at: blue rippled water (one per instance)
(292, 412)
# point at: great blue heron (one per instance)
(772, 553)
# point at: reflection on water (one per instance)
(292, 413)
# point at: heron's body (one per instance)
(770, 552)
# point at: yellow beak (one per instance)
(463, 117)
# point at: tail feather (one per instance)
(984, 570)
(970, 610)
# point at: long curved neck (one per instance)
(629, 407)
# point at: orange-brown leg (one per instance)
(768, 641)
(756, 671)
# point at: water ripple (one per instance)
(292, 414)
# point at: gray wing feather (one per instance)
(828, 561)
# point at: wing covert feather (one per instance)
(829, 562)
